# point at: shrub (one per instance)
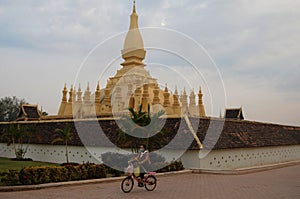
(40, 175)
(156, 158)
(72, 173)
(178, 165)
(69, 164)
(173, 166)
(100, 171)
(10, 178)
(120, 162)
(27, 176)
(116, 160)
(159, 167)
(113, 172)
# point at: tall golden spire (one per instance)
(87, 94)
(97, 94)
(175, 98)
(166, 97)
(79, 95)
(156, 95)
(134, 7)
(65, 92)
(184, 101)
(200, 104)
(134, 18)
(133, 52)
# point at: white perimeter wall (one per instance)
(57, 153)
(229, 159)
(226, 159)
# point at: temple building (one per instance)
(131, 87)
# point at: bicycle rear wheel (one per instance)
(150, 183)
(127, 184)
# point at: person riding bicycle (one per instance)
(143, 159)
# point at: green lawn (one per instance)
(6, 164)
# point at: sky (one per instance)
(254, 46)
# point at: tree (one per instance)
(145, 124)
(65, 136)
(17, 135)
(44, 113)
(10, 108)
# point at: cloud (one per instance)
(255, 44)
(59, 25)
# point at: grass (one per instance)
(7, 164)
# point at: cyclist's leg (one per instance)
(142, 174)
(144, 170)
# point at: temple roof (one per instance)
(29, 112)
(235, 113)
(246, 134)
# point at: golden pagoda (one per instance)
(131, 87)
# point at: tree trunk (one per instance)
(15, 148)
(67, 153)
(147, 144)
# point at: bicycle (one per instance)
(149, 181)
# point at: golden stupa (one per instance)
(132, 86)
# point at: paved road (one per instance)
(277, 183)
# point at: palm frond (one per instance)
(57, 140)
(58, 131)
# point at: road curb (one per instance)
(82, 182)
(246, 170)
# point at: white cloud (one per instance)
(256, 45)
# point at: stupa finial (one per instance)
(134, 6)
(133, 51)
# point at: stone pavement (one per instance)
(277, 183)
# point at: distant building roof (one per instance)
(235, 113)
(29, 112)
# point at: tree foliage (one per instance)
(10, 108)
(18, 137)
(65, 136)
(145, 128)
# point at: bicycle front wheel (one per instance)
(150, 183)
(127, 184)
